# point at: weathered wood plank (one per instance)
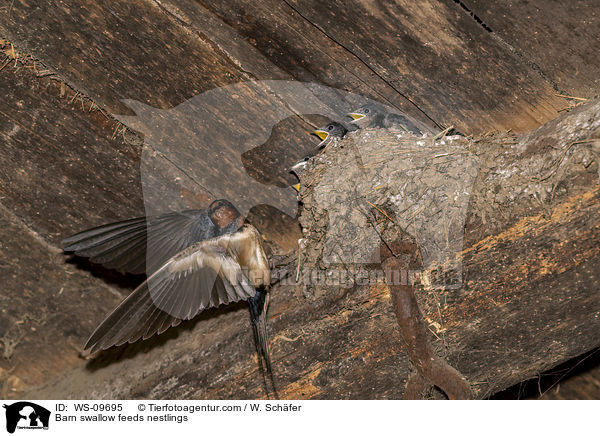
(560, 38)
(529, 301)
(113, 51)
(269, 40)
(47, 308)
(61, 169)
(434, 55)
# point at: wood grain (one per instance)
(558, 39)
(529, 302)
(531, 269)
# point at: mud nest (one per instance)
(376, 186)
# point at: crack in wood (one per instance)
(473, 15)
(365, 63)
(534, 66)
(234, 62)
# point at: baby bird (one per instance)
(330, 131)
(373, 115)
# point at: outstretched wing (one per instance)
(123, 245)
(203, 275)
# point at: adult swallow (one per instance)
(194, 259)
(374, 115)
(330, 131)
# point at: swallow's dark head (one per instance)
(224, 214)
(331, 130)
(366, 115)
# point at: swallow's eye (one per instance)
(366, 111)
(330, 127)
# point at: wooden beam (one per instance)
(64, 165)
(557, 39)
(48, 308)
(529, 301)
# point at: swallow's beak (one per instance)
(321, 134)
(355, 116)
(296, 187)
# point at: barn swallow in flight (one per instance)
(374, 115)
(195, 259)
(330, 131)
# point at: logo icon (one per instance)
(26, 415)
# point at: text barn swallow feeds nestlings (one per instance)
(373, 115)
(194, 259)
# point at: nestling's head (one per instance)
(331, 130)
(367, 115)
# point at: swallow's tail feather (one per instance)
(258, 316)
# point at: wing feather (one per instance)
(207, 274)
(141, 245)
